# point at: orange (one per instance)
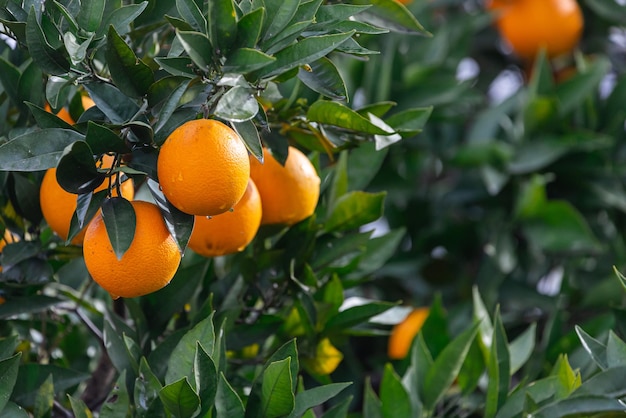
(203, 167)
(289, 193)
(403, 334)
(58, 206)
(149, 263)
(64, 114)
(228, 232)
(529, 25)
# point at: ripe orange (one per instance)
(58, 206)
(203, 167)
(289, 193)
(147, 266)
(403, 333)
(228, 232)
(529, 25)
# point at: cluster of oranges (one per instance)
(204, 170)
(531, 25)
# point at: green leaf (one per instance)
(277, 397)
(249, 28)
(30, 304)
(49, 59)
(28, 153)
(8, 377)
(171, 102)
(481, 316)
(47, 119)
(246, 60)
(498, 369)
(248, 132)
(323, 77)
(182, 359)
(10, 77)
(119, 219)
(310, 398)
(558, 226)
(609, 382)
(356, 315)
(615, 351)
(339, 410)
(131, 75)
(31, 376)
(101, 139)
(446, 367)
(190, 12)
(222, 24)
(45, 398)
(410, 121)
(237, 105)
(392, 15)
(337, 114)
(178, 223)
(355, 209)
(116, 349)
(79, 408)
(76, 171)
(569, 380)
(572, 92)
(90, 15)
(582, 406)
(372, 407)
(303, 52)
(394, 398)
(118, 402)
(227, 402)
(205, 374)
(147, 388)
(420, 363)
(198, 46)
(116, 106)
(540, 390)
(180, 399)
(521, 348)
(7, 347)
(595, 348)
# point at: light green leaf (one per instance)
(498, 369)
(45, 398)
(324, 78)
(569, 380)
(521, 348)
(615, 351)
(118, 402)
(394, 398)
(227, 402)
(309, 398)
(337, 114)
(79, 408)
(205, 375)
(190, 12)
(372, 407)
(277, 397)
(392, 15)
(180, 399)
(245, 60)
(355, 209)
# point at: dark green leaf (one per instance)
(198, 46)
(118, 107)
(355, 209)
(49, 59)
(190, 12)
(131, 75)
(222, 24)
(372, 407)
(28, 153)
(356, 315)
(205, 374)
(8, 377)
(118, 401)
(177, 66)
(248, 132)
(281, 13)
(410, 121)
(7, 347)
(337, 114)
(582, 406)
(609, 382)
(392, 15)
(303, 52)
(101, 139)
(227, 402)
(76, 170)
(498, 369)
(147, 388)
(45, 119)
(171, 102)
(90, 15)
(539, 390)
(10, 77)
(277, 397)
(323, 77)
(116, 349)
(249, 28)
(180, 399)
(87, 206)
(446, 367)
(339, 410)
(522, 347)
(245, 60)
(572, 92)
(237, 105)
(31, 376)
(181, 361)
(30, 304)
(122, 17)
(310, 398)
(394, 398)
(119, 218)
(45, 399)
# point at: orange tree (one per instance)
(481, 204)
(183, 94)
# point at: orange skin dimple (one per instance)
(147, 266)
(529, 25)
(228, 232)
(203, 167)
(289, 193)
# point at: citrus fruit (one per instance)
(231, 231)
(529, 25)
(149, 263)
(203, 167)
(58, 206)
(326, 359)
(404, 332)
(289, 193)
